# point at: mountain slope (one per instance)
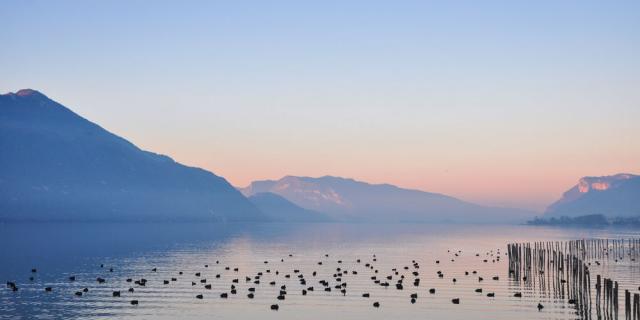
(351, 200)
(277, 208)
(56, 165)
(612, 196)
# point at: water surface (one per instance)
(133, 250)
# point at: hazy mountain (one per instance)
(612, 196)
(277, 208)
(347, 199)
(56, 165)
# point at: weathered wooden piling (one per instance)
(560, 269)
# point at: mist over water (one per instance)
(60, 250)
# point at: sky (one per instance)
(496, 102)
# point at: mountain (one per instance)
(277, 208)
(612, 196)
(351, 200)
(56, 165)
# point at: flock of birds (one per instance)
(400, 278)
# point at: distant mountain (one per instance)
(351, 200)
(56, 165)
(279, 209)
(612, 196)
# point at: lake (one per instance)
(89, 251)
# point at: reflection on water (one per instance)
(59, 251)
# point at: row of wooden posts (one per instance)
(560, 269)
(632, 309)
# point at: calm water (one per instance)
(132, 250)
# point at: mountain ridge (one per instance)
(58, 165)
(615, 195)
(352, 200)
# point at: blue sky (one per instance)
(498, 102)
